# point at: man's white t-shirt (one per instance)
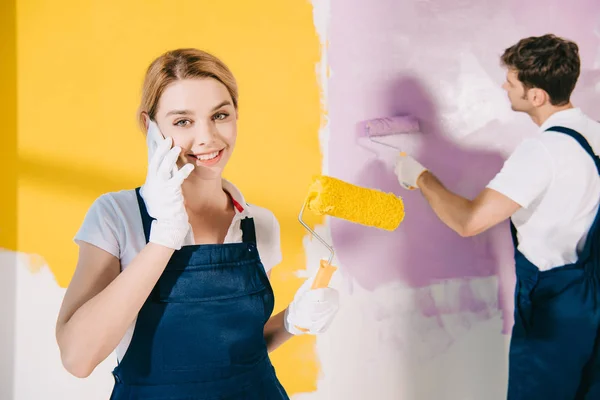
(114, 224)
(556, 183)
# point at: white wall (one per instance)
(7, 327)
(30, 365)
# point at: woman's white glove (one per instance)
(312, 310)
(163, 197)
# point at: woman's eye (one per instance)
(183, 122)
(220, 116)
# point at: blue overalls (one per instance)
(199, 335)
(555, 345)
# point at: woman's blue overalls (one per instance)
(199, 335)
(555, 345)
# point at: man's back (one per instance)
(556, 182)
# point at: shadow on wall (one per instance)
(424, 248)
(444, 266)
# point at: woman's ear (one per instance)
(146, 119)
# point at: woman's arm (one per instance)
(313, 310)
(275, 332)
(101, 303)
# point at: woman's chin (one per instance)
(206, 173)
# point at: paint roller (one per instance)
(380, 127)
(339, 199)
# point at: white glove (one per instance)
(311, 309)
(408, 170)
(163, 197)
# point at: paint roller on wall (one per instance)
(379, 128)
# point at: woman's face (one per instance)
(200, 117)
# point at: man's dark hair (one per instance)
(546, 62)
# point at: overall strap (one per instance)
(246, 224)
(581, 140)
(146, 218)
(594, 231)
(248, 231)
(513, 233)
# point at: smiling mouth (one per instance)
(207, 158)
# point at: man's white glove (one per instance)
(312, 310)
(163, 197)
(408, 170)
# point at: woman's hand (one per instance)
(163, 196)
(312, 310)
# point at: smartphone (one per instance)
(153, 137)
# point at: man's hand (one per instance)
(408, 170)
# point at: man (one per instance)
(550, 189)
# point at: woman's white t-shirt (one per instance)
(114, 224)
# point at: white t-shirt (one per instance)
(114, 224)
(557, 185)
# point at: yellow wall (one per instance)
(8, 116)
(80, 68)
(8, 192)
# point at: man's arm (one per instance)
(466, 217)
(524, 177)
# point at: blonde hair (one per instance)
(181, 64)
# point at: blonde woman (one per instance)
(174, 275)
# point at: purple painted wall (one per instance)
(439, 61)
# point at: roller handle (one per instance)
(322, 280)
(403, 154)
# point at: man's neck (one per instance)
(542, 114)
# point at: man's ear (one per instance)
(538, 97)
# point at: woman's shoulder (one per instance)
(111, 218)
(261, 214)
(268, 235)
(265, 222)
(119, 202)
(114, 210)
(266, 225)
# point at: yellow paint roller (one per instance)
(339, 199)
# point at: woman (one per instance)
(174, 275)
